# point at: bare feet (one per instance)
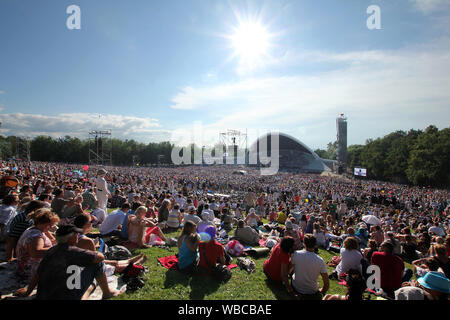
(88, 292)
(22, 292)
(113, 293)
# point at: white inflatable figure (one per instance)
(102, 191)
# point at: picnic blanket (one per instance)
(171, 263)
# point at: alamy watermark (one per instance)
(374, 21)
(73, 22)
(74, 280)
(261, 153)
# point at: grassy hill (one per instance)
(164, 284)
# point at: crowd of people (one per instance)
(48, 210)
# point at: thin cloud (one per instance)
(80, 124)
(396, 87)
(429, 6)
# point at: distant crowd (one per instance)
(49, 210)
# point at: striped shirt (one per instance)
(19, 224)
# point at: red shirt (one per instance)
(391, 268)
(272, 266)
(213, 250)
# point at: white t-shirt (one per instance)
(192, 217)
(99, 214)
(112, 221)
(182, 202)
(320, 238)
(350, 259)
(208, 215)
(437, 230)
(308, 266)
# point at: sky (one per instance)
(159, 70)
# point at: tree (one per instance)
(429, 160)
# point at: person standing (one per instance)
(102, 191)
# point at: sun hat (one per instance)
(101, 171)
(409, 293)
(435, 281)
(211, 231)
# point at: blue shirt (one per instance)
(124, 232)
(186, 257)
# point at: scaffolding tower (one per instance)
(100, 147)
(235, 143)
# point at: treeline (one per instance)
(73, 150)
(415, 157)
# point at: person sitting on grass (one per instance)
(252, 219)
(19, 224)
(126, 219)
(432, 286)
(356, 285)
(55, 274)
(84, 223)
(188, 243)
(307, 268)
(439, 253)
(192, 216)
(291, 231)
(424, 265)
(175, 219)
(278, 266)
(246, 234)
(320, 236)
(211, 252)
(113, 222)
(350, 258)
(391, 268)
(367, 256)
(8, 211)
(137, 228)
(33, 245)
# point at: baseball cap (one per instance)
(67, 229)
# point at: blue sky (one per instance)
(150, 70)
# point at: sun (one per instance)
(251, 42)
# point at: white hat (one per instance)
(409, 293)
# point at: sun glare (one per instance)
(251, 42)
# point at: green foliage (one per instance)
(429, 161)
(330, 153)
(73, 150)
(416, 157)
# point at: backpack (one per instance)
(234, 248)
(117, 253)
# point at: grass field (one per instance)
(164, 284)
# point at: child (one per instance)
(188, 254)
